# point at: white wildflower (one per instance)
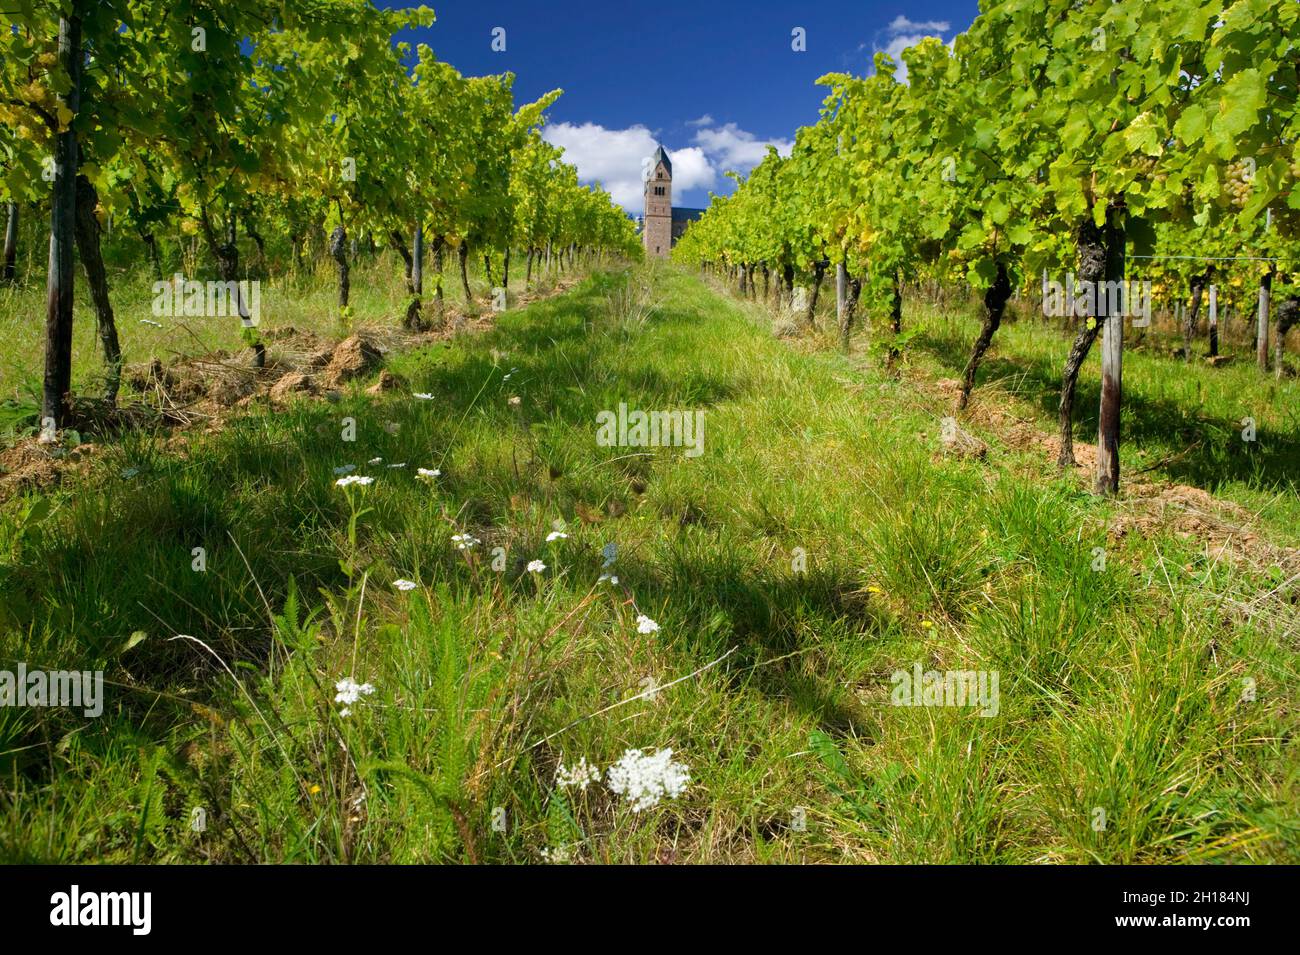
(560, 855)
(376, 460)
(465, 541)
(611, 579)
(352, 479)
(582, 774)
(428, 474)
(536, 567)
(349, 693)
(422, 395)
(556, 535)
(645, 778)
(645, 625)
(404, 585)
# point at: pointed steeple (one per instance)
(661, 156)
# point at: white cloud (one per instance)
(613, 157)
(903, 33)
(734, 148)
(895, 48)
(900, 24)
(691, 169)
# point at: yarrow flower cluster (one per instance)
(643, 779)
(536, 567)
(611, 579)
(349, 693)
(465, 541)
(428, 474)
(582, 774)
(555, 536)
(557, 855)
(422, 395)
(644, 624)
(352, 479)
(403, 584)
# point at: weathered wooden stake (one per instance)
(1112, 360)
(841, 289)
(1261, 330)
(11, 244)
(59, 284)
(1214, 320)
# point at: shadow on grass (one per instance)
(259, 497)
(1204, 451)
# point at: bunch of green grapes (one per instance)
(1148, 168)
(1240, 179)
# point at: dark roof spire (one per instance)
(661, 156)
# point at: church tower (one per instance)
(657, 233)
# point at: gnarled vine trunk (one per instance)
(895, 316)
(397, 242)
(1198, 284)
(995, 306)
(92, 262)
(339, 250)
(464, 274)
(151, 243)
(250, 228)
(1091, 247)
(414, 316)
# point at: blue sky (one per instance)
(713, 81)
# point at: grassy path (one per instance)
(816, 547)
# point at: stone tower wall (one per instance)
(657, 233)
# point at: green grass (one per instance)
(1182, 420)
(1121, 690)
(306, 301)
